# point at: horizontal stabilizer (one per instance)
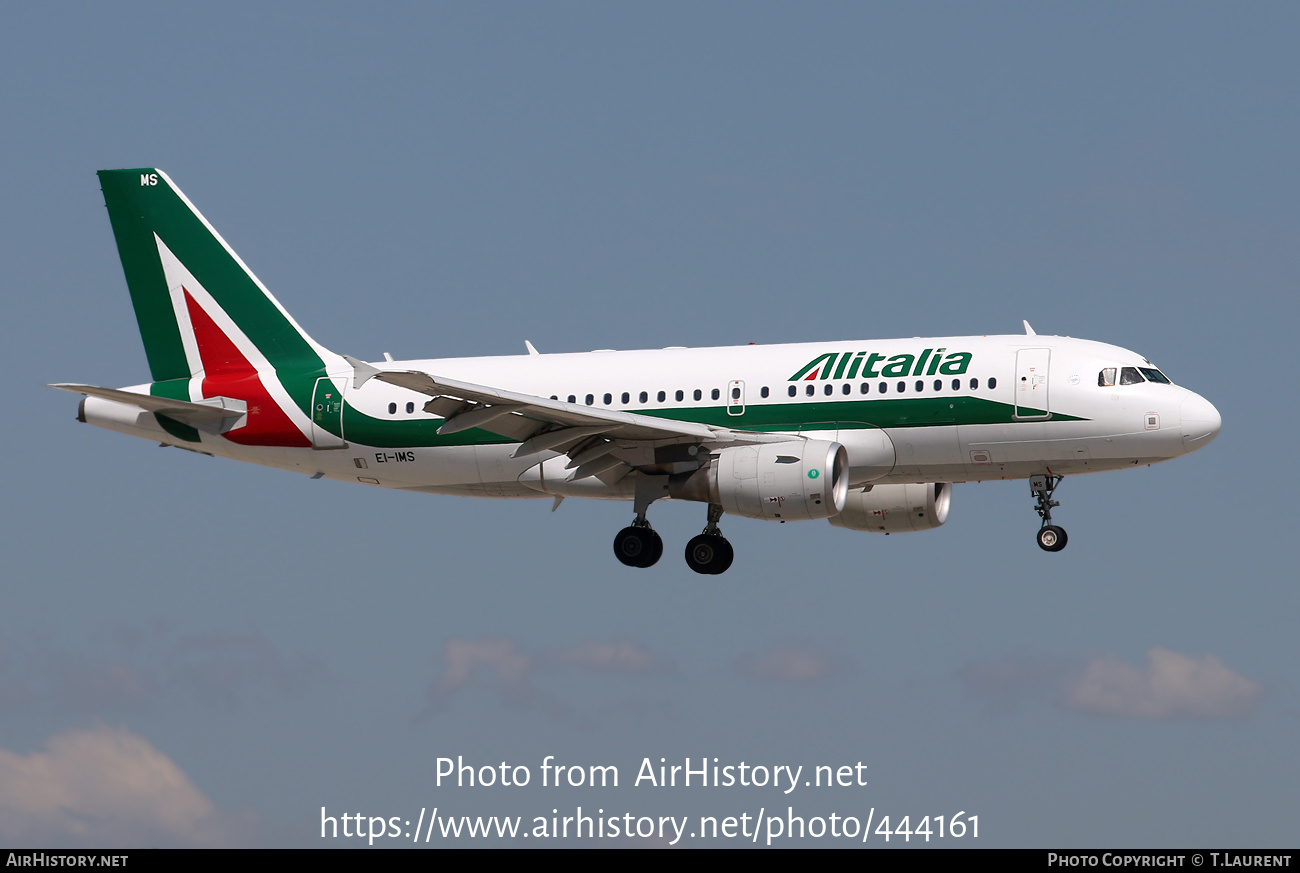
(215, 415)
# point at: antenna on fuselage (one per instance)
(1029, 331)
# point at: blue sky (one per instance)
(196, 652)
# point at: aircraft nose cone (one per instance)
(1201, 422)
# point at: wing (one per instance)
(599, 442)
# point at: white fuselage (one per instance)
(1021, 406)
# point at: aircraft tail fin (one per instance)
(201, 311)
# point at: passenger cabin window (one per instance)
(993, 382)
(662, 396)
(609, 398)
(591, 399)
(698, 395)
(715, 393)
(679, 395)
(410, 407)
(974, 383)
(829, 389)
(810, 390)
(643, 397)
(866, 388)
(847, 388)
(793, 391)
(884, 388)
(763, 392)
(938, 384)
(920, 386)
(626, 398)
(1130, 376)
(1106, 378)
(573, 399)
(392, 409)
(956, 384)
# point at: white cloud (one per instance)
(1171, 685)
(103, 787)
(620, 656)
(791, 663)
(513, 673)
(462, 659)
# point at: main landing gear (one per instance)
(638, 545)
(1050, 537)
(709, 553)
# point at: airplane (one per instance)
(868, 434)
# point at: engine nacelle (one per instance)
(795, 480)
(896, 508)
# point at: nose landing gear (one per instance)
(1051, 538)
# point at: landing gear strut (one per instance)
(710, 553)
(638, 545)
(1050, 537)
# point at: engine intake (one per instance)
(795, 480)
(896, 508)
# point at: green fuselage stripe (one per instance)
(813, 415)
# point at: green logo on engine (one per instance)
(813, 474)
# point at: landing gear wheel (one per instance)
(656, 551)
(709, 554)
(1052, 538)
(726, 555)
(638, 547)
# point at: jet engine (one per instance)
(795, 480)
(896, 508)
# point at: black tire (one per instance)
(656, 550)
(637, 546)
(1052, 538)
(632, 546)
(726, 554)
(709, 554)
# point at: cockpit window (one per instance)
(1130, 376)
(1106, 378)
(1154, 375)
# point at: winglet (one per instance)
(1029, 331)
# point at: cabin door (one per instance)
(1031, 384)
(327, 415)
